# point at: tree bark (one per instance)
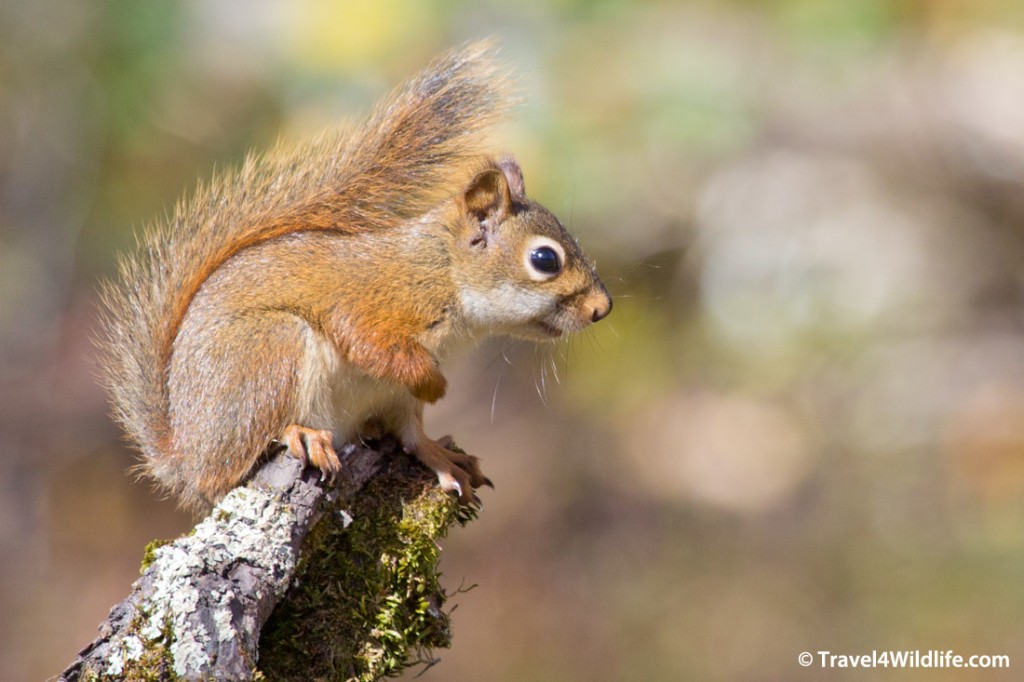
(291, 577)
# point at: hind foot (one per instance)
(313, 446)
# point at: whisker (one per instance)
(504, 348)
(640, 297)
(539, 387)
(553, 361)
(494, 397)
(550, 353)
(506, 344)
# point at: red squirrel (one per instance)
(319, 289)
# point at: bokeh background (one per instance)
(802, 428)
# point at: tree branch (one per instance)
(307, 579)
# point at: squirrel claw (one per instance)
(457, 472)
(313, 446)
(449, 483)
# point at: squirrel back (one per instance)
(418, 143)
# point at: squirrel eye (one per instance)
(545, 259)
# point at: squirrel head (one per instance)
(518, 270)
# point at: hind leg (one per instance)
(238, 383)
(456, 471)
(312, 446)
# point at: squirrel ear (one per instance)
(514, 177)
(488, 196)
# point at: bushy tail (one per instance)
(413, 151)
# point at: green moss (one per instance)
(368, 601)
(149, 553)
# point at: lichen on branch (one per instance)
(290, 578)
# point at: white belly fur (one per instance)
(335, 395)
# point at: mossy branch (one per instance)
(291, 578)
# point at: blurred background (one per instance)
(801, 429)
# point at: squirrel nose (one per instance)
(602, 306)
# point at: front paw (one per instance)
(431, 389)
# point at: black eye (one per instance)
(545, 259)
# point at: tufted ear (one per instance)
(514, 177)
(488, 197)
